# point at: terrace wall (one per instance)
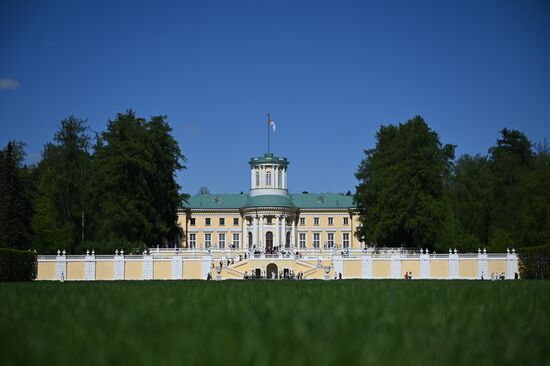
(319, 265)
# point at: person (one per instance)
(516, 276)
(208, 276)
(406, 275)
(246, 275)
(340, 275)
(410, 275)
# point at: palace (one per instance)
(269, 219)
(270, 233)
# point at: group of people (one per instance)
(408, 275)
(290, 275)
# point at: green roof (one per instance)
(268, 200)
(299, 200)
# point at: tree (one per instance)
(470, 202)
(135, 191)
(400, 196)
(15, 198)
(63, 190)
(512, 164)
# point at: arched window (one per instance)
(280, 179)
(268, 179)
(257, 179)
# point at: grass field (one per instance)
(275, 323)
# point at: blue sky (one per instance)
(330, 73)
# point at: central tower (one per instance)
(268, 175)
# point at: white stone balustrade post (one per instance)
(119, 265)
(147, 266)
(177, 267)
(366, 266)
(395, 265)
(453, 264)
(482, 265)
(89, 266)
(424, 264)
(61, 266)
(511, 264)
(283, 231)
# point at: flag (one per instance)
(272, 124)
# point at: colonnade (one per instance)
(278, 228)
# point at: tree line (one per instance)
(412, 192)
(117, 190)
(103, 191)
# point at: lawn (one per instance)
(275, 323)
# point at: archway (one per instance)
(268, 242)
(271, 271)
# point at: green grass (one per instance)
(275, 322)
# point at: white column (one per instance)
(276, 176)
(262, 176)
(293, 235)
(284, 178)
(255, 232)
(277, 233)
(244, 236)
(262, 244)
(283, 231)
(252, 177)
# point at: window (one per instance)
(302, 220)
(346, 220)
(236, 221)
(207, 240)
(192, 240)
(268, 178)
(222, 221)
(315, 221)
(192, 222)
(330, 221)
(235, 241)
(257, 179)
(207, 221)
(330, 237)
(345, 240)
(280, 179)
(316, 240)
(302, 240)
(221, 241)
(270, 220)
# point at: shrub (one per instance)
(534, 262)
(17, 265)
